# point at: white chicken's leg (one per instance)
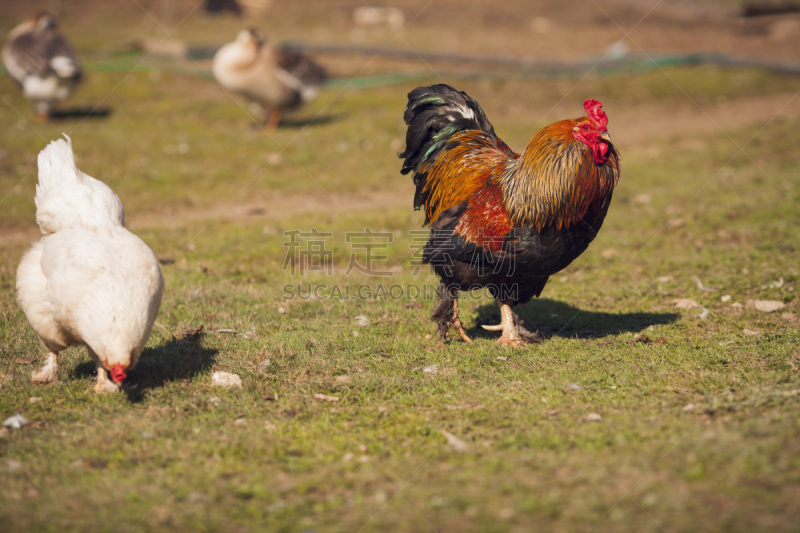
(49, 372)
(104, 384)
(510, 336)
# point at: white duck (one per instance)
(89, 280)
(274, 78)
(42, 62)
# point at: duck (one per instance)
(88, 281)
(273, 78)
(42, 63)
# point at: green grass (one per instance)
(176, 454)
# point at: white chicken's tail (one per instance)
(56, 165)
(68, 198)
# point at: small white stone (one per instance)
(326, 397)
(766, 306)
(361, 321)
(15, 422)
(12, 465)
(454, 442)
(685, 303)
(226, 380)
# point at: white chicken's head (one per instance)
(118, 374)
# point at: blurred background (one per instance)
(673, 76)
(699, 416)
(686, 84)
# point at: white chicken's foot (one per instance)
(457, 325)
(103, 384)
(49, 372)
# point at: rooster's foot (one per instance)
(508, 325)
(511, 342)
(49, 372)
(457, 325)
(460, 330)
(104, 385)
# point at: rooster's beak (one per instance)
(604, 135)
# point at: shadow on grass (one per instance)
(302, 122)
(80, 112)
(176, 360)
(557, 319)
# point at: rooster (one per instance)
(502, 220)
(89, 280)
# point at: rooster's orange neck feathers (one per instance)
(557, 170)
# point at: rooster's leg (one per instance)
(508, 326)
(103, 384)
(445, 313)
(457, 325)
(510, 336)
(49, 372)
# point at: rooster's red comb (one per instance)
(595, 111)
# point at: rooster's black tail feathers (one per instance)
(433, 114)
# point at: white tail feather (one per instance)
(66, 197)
(56, 165)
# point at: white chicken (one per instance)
(89, 280)
(273, 78)
(41, 62)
